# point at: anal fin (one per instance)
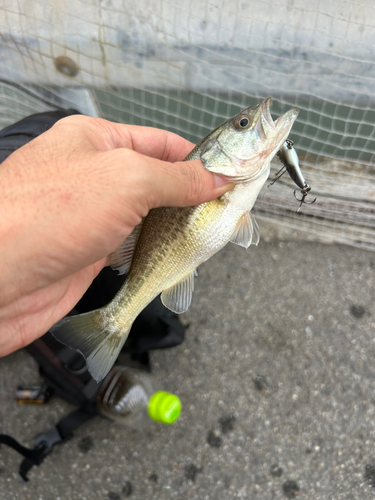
(178, 297)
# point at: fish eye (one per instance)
(242, 122)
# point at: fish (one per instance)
(162, 253)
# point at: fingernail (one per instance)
(220, 181)
(223, 183)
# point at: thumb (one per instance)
(182, 184)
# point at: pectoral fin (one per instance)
(122, 257)
(246, 231)
(178, 297)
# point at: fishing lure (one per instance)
(289, 158)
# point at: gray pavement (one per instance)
(277, 381)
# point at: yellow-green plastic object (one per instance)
(164, 407)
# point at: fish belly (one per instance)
(172, 244)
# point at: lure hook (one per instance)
(279, 174)
(302, 200)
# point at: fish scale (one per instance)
(162, 254)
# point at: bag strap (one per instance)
(45, 442)
(55, 368)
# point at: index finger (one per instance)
(149, 141)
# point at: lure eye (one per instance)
(242, 122)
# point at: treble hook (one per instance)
(304, 192)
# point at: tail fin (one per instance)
(99, 341)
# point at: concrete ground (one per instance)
(277, 382)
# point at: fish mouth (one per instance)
(284, 121)
(264, 124)
(265, 108)
(278, 129)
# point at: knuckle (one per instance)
(72, 120)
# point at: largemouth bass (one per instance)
(163, 253)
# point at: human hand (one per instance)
(69, 198)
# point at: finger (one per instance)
(188, 183)
(149, 141)
(158, 183)
(105, 135)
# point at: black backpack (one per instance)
(64, 370)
